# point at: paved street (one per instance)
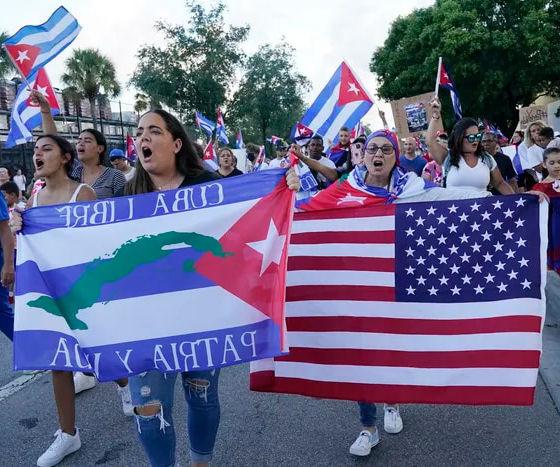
(262, 429)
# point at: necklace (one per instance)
(171, 185)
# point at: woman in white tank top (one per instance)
(53, 158)
(465, 164)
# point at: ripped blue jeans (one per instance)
(156, 432)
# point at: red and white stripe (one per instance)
(349, 339)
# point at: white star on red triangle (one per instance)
(270, 248)
(22, 56)
(43, 90)
(352, 88)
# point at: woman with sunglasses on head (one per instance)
(464, 164)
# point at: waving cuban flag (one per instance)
(446, 82)
(26, 116)
(342, 102)
(204, 123)
(221, 135)
(239, 144)
(32, 47)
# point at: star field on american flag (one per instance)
(467, 250)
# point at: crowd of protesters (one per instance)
(466, 164)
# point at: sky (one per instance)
(322, 33)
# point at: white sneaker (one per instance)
(63, 445)
(365, 441)
(392, 421)
(126, 400)
(83, 382)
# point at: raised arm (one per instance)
(49, 127)
(437, 151)
(328, 172)
(383, 119)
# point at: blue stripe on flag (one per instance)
(322, 98)
(25, 31)
(36, 350)
(218, 192)
(45, 46)
(57, 282)
(350, 122)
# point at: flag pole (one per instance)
(437, 77)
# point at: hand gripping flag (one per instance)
(446, 82)
(239, 144)
(130, 149)
(32, 47)
(433, 302)
(343, 102)
(182, 280)
(26, 116)
(221, 135)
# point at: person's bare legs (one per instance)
(63, 385)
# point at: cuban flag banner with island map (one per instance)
(181, 280)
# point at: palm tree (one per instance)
(141, 103)
(88, 72)
(5, 63)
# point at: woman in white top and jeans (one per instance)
(467, 165)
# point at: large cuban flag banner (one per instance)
(181, 280)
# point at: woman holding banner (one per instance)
(53, 157)
(380, 181)
(167, 161)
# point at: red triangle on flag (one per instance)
(43, 85)
(256, 272)
(23, 56)
(443, 76)
(209, 154)
(350, 88)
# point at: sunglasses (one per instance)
(474, 138)
(386, 149)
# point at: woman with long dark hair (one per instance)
(53, 157)
(167, 161)
(464, 164)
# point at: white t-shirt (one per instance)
(477, 177)
(20, 181)
(130, 174)
(327, 163)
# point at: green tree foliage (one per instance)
(503, 54)
(89, 74)
(6, 66)
(195, 70)
(270, 96)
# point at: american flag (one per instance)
(436, 302)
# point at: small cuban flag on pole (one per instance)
(444, 80)
(25, 114)
(32, 47)
(239, 144)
